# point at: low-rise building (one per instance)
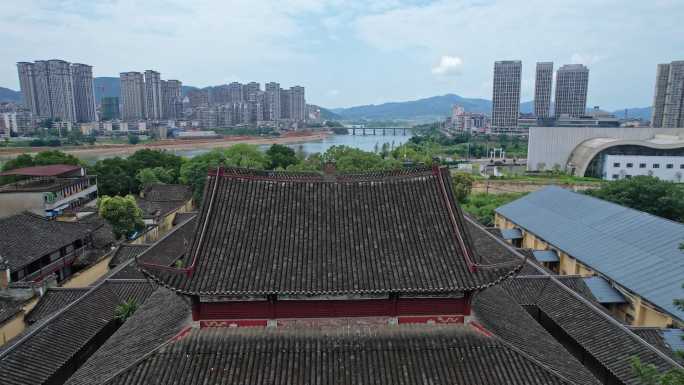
(47, 190)
(161, 202)
(33, 247)
(636, 253)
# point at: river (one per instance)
(362, 142)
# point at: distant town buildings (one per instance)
(506, 96)
(468, 122)
(668, 99)
(147, 96)
(543, 85)
(572, 82)
(57, 89)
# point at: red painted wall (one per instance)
(325, 309)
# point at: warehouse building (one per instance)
(636, 255)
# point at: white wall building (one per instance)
(670, 168)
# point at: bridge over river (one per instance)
(379, 130)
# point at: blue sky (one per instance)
(353, 52)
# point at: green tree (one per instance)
(54, 157)
(114, 177)
(122, 213)
(645, 193)
(149, 176)
(125, 310)
(650, 375)
(462, 185)
(482, 206)
(133, 139)
(281, 157)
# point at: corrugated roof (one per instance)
(637, 250)
(673, 337)
(50, 170)
(545, 255)
(509, 234)
(602, 290)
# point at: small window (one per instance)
(681, 166)
(630, 165)
(616, 164)
(642, 165)
(670, 165)
(616, 176)
(656, 165)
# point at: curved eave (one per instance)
(155, 275)
(586, 151)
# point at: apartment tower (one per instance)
(572, 81)
(543, 84)
(671, 105)
(171, 96)
(28, 87)
(132, 96)
(297, 103)
(84, 94)
(272, 101)
(153, 95)
(506, 95)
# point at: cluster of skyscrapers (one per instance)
(570, 100)
(668, 101)
(148, 97)
(57, 89)
(236, 103)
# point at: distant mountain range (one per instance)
(439, 107)
(421, 110)
(7, 95)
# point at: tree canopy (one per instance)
(281, 156)
(122, 213)
(645, 193)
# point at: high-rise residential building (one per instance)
(132, 96)
(219, 94)
(506, 95)
(48, 89)
(61, 90)
(272, 101)
(235, 91)
(297, 103)
(28, 87)
(42, 89)
(153, 95)
(285, 103)
(250, 90)
(109, 108)
(198, 98)
(543, 84)
(673, 111)
(572, 81)
(171, 95)
(660, 93)
(84, 94)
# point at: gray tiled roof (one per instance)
(54, 299)
(125, 253)
(382, 355)
(27, 237)
(346, 234)
(637, 250)
(164, 315)
(51, 348)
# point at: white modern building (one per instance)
(543, 84)
(670, 168)
(132, 96)
(582, 151)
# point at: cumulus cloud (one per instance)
(585, 58)
(448, 65)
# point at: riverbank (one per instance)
(111, 150)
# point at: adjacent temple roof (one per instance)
(157, 346)
(161, 199)
(637, 250)
(265, 233)
(27, 237)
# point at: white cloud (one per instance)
(586, 59)
(333, 92)
(448, 65)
